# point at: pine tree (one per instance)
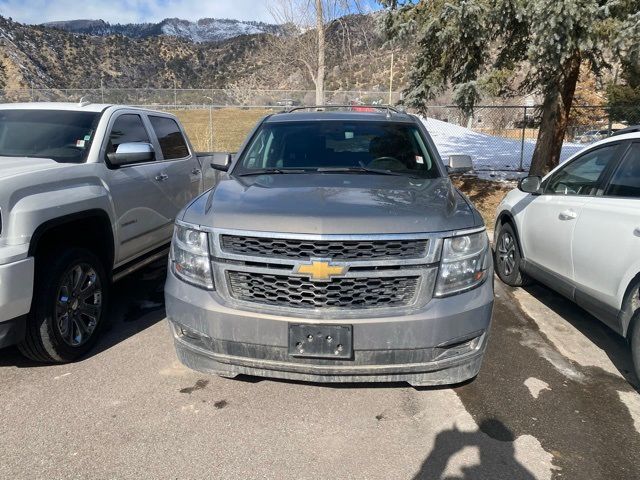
(540, 45)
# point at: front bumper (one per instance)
(16, 291)
(442, 343)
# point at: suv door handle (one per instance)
(568, 215)
(195, 171)
(162, 177)
(636, 232)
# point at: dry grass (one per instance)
(485, 195)
(230, 127)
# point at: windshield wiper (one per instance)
(376, 171)
(269, 171)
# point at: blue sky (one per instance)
(134, 11)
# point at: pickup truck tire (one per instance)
(508, 259)
(69, 306)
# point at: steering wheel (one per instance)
(387, 163)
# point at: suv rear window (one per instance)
(396, 147)
(172, 143)
(61, 135)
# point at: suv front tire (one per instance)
(508, 258)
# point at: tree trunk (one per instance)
(555, 118)
(321, 51)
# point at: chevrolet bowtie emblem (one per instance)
(320, 270)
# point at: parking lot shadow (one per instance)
(494, 442)
(614, 346)
(136, 303)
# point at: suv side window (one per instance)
(127, 128)
(626, 180)
(583, 175)
(172, 143)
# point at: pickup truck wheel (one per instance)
(508, 258)
(70, 297)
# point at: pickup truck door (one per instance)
(606, 241)
(180, 175)
(550, 218)
(140, 225)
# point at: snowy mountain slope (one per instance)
(203, 30)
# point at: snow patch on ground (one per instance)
(493, 157)
(535, 386)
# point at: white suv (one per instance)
(577, 230)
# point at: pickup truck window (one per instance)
(63, 136)
(172, 142)
(340, 145)
(127, 128)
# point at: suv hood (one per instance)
(333, 204)
(12, 166)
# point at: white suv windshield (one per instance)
(338, 145)
(63, 136)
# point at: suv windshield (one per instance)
(63, 136)
(338, 146)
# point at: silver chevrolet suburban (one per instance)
(88, 193)
(334, 249)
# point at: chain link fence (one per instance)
(499, 138)
(503, 138)
(194, 97)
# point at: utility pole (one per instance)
(101, 90)
(210, 123)
(391, 81)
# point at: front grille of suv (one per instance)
(336, 250)
(343, 293)
(381, 273)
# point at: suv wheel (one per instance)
(631, 309)
(508, 258)
(635, 343)
(69, 304)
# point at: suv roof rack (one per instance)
(387, 108)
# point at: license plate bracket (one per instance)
(321, 341)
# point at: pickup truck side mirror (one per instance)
(459, 164)
(530, 184)
(221, 161)
(132, 152)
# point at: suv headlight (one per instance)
(464, 264)
(190, 257)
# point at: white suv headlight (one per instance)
(190, 257)
(464, 264)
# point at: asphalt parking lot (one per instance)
(555, 399)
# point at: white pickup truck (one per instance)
(88, 193)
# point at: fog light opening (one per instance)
(458, 348)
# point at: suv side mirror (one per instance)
(459, 164)
(221, 161)
(132, 152)
(530, 184)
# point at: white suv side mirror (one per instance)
(530, 184)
